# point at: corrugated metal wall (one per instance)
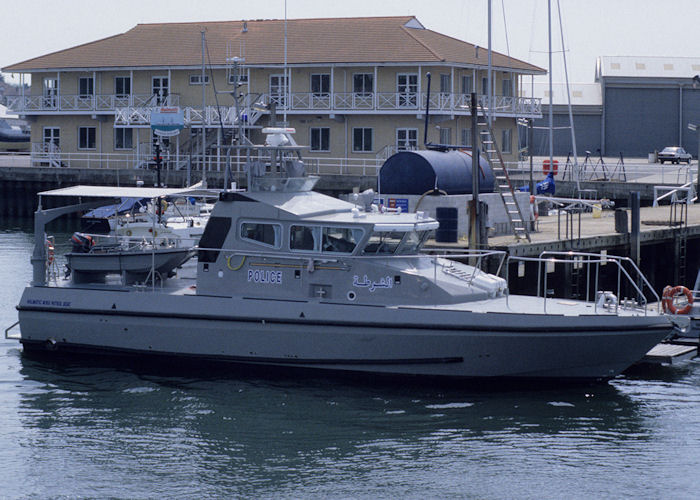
(587, 129)
(639, 121)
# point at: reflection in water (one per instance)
(249, 435)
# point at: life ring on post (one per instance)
(671, 293)
(554, 167)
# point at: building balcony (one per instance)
(410, 102)
(105, 103)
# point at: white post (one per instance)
(551, 119)
(490, 74)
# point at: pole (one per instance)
(474, 232)
(490, 73)
(427, 112)
(204, 106)
(530, 152)
(551, 118)
(568, 97)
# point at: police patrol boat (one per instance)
(288, 277)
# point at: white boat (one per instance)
(287, 277)
(94, 257)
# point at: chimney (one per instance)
(476, 51)
(245, 26)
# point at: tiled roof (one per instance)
(309, 41)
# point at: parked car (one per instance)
(674, 154)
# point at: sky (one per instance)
(591, 28)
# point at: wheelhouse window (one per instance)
(123, 138)
(86, 138)
(320, 139)
(262, 233)
(362, 140)
(213, 238)
(122, 86)
(304, 238)
(395, 242)
(86, 87)
(340, 239)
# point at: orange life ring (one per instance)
(672, 292)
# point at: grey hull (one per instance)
(399, 341)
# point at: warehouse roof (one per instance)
(646, 67)
(369, 40)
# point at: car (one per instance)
(674, 154)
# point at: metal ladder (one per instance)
(502, 181)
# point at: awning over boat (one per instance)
(125, 192)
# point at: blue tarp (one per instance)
(126, 205)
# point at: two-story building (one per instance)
(351, 87)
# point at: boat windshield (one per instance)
(395, 242)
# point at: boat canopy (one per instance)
(126, 192)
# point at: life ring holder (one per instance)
(228, 263)
(670, 293)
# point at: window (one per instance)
(123, 138)
(303, 238)
(467, 85)
(52, 136)
(506, 142)
(363, 83)
(407, 89)
(466, 137)
(320, 84)
(485, 86)
(407, 138)
(277, 89)
(383, 243)
(160, 87)
(320, 139)
(362, 140)
(197, 79)
(86, 138)
(122, 86)
(86, 86)
(262, 233)
(445, 135)
(213, 238)
(340, 239)
(445, 84)
(242, 78)
(507, 88)
(50, 92)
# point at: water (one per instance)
(70, 430)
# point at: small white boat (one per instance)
(135, 261)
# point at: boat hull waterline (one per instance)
(399, 341)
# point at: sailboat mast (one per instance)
(551, 118)
(490, 73)
(568, 91)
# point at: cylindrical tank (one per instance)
(415, 172)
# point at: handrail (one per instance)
(598, 260)
(12, 337)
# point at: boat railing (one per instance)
(587, 267)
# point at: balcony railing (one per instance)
(94, 103)
(300, 101)
(402, 101)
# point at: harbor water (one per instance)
(86, 430)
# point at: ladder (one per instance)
(502, 182)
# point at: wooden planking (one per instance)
(670, 354)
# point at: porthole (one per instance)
(352, 295)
